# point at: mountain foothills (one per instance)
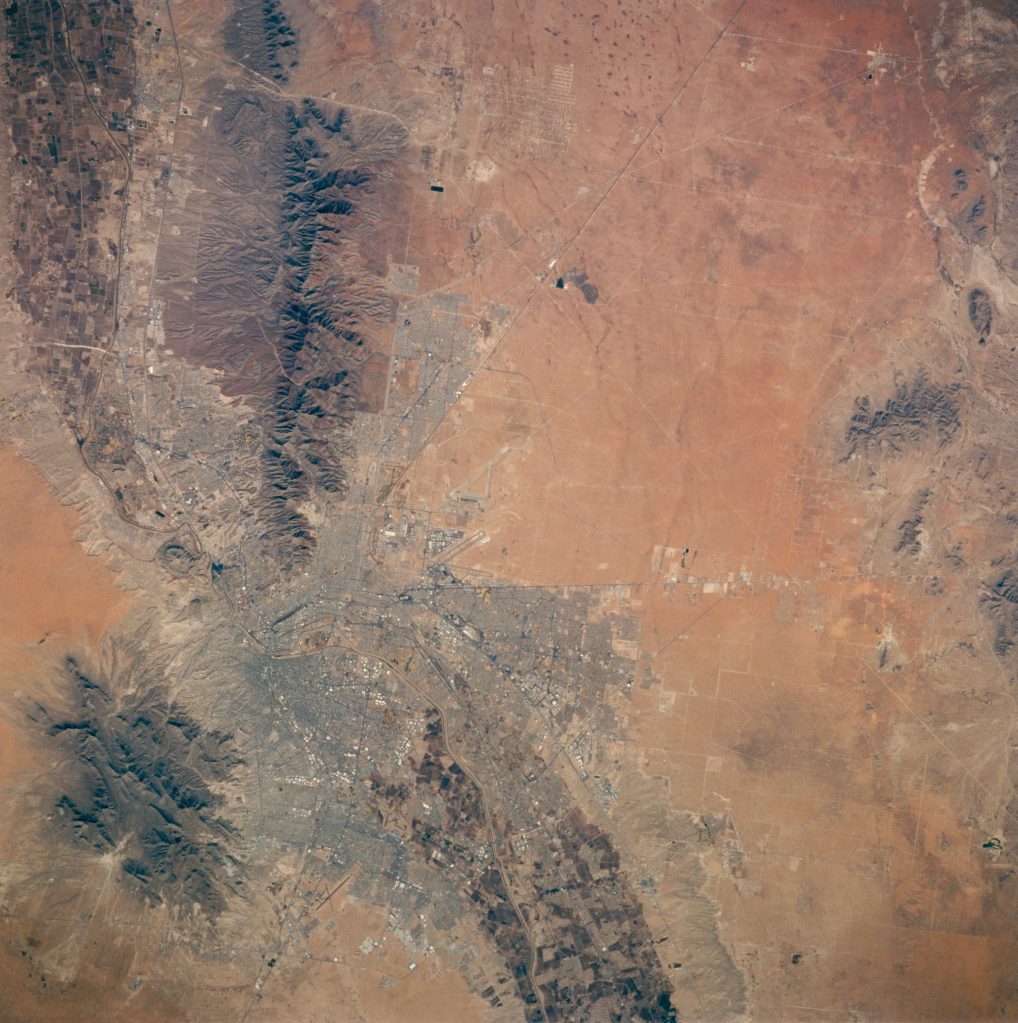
(509, 511)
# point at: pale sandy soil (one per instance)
(762, 257)
(360, 972)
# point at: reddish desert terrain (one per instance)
(557, 462)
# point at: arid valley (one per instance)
(509, 511)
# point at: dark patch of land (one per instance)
(142, 784)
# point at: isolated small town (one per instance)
(509, 511)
